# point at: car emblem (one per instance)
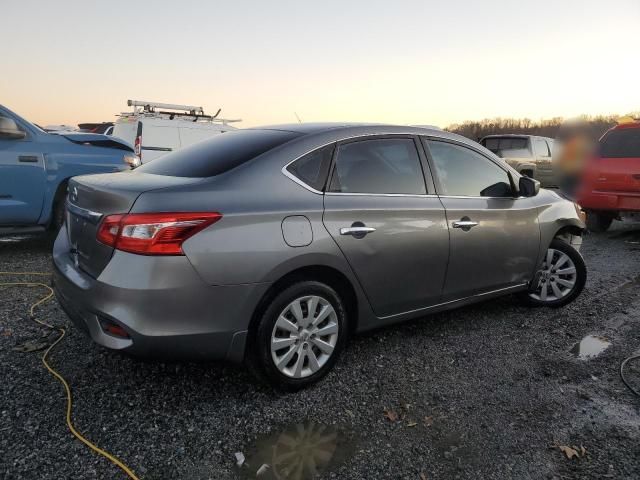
(74, 194)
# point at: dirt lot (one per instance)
(489, 391)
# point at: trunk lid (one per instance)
(91, 198)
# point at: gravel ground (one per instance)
(493, 389)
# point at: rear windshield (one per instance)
(509, 147)
(218, 154)
(623, 143)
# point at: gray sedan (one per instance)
(273, 245)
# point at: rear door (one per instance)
(159, 137)
(494, 237)
(22, 180)
(388, 223)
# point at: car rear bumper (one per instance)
(611, 201)
(161, 302)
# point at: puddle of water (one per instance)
(590, 346)
(298, 452)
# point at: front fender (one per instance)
(554, 216)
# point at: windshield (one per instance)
(219, 154)
(508, 147)
(624, 143)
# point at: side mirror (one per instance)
(9, 129)
(528, 187)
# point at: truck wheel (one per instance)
(57, 211)
(598, 222)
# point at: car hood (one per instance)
(97, 140)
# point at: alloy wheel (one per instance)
(304, 336)
(557, 277)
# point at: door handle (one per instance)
(464, 224)
(28, 159)
(356, 230)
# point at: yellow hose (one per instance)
(57, 375)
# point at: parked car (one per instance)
(273, 245)
(35, 167)
(611, 184)
(158, 128)
(527, 154)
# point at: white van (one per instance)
(157, 128)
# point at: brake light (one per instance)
(153, 233)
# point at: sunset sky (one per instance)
(407, 62)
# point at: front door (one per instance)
(494, 236)
(390, 228)
(22, 181)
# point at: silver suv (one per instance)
(273, 245)
(527, 154)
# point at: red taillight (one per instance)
(153, 233)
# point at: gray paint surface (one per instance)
(202, 303)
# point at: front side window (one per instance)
(464, 172)
(386, 165)
(313, 167)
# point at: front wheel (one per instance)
(598, 222)
(299, 336)
(560, 279)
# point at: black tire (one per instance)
(598, 222)
(57, 211)
(258, 355)
(581, 278)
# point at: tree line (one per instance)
(594, 126)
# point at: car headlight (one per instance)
(581, 214)
(132, 160)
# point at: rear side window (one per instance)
(624, 143)
(218, 154)
(509, 147)
(313, 168)
(378, 166)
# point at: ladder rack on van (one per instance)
(193, 112)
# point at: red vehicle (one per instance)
(611, 184)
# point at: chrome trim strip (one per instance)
(431, 307)
(89, 215)
(355, 194)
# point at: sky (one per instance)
(402, 61)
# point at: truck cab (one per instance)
(35, 167)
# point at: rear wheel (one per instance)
(598, 222)
(560, 278)
(299, 336)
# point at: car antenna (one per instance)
(299, 121)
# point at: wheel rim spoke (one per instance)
(322, 345)
(543, 293)
(567, 271)
(566, 283)
(313, 361)
(564, 258)
(549, 257)
(296, 311)
(328, 330)
(297, 372)
(556, 290)
(284, 360)
(279, 343)
(325, 311)
(287, 325)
